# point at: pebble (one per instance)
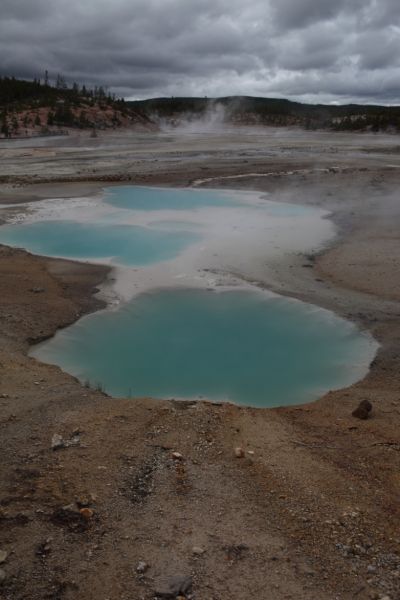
(3, 556)
(171, 587)
(87, 513)
(57, 441)
(198, 550)
(363, 410)
(239, 452)
(142, 567)
(177, 456)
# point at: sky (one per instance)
(333, 51)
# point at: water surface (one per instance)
(122, 244)
(170, 337)
(245, 347)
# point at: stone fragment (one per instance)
(87, 513)
(177, 456)
(142, 567)
(171, 587)
(198, 550)
(57, 442)
(363, 410)
(3, 556)
(239, 452)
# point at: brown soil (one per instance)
(309, 512)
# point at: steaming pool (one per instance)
(185, 318)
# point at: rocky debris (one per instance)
(85, 501)
(43, 549)
(71, 517)
(171, 587)
(86, 513)
(3, 556)
(138, 486)
(198, 551)
(235, 552)
(363, 410)
(142, 567)
(58, 442)
(37, 290)
(177, 456)
(239, 452)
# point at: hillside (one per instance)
(31, 108)
(246, 110)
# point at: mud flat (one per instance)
(311, 509)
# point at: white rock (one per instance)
(142, 567)
(239, 452)
(198, 550)
(177, 455)
(57, 441)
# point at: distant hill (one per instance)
(247, 110)
(29, 108)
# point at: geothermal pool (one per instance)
(183, 320)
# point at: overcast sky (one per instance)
(308, 50)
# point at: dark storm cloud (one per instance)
(312, 50)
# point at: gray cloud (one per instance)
(310, 50)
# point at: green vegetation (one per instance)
(39, 108)
(20, 94)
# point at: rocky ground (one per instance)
(127, 499)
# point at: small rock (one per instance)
(43, 549)
(171, 587)
(239, 452)
(142, 567)
(308, 571)
(363, 409)
(37, 290)
(57, 442)
(83, 501)
(87, 513)
(177, 456)
(3, 576)
(198, 550)
(3, 556)
(251, 452)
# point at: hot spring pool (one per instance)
(181, 331)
